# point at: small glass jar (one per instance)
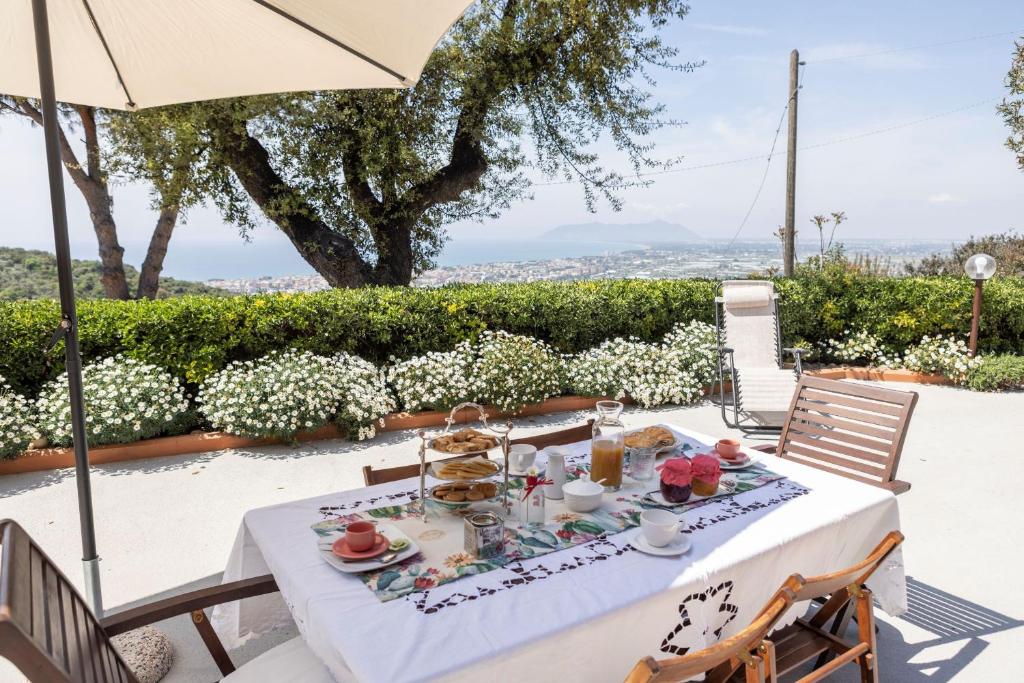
(531, 508)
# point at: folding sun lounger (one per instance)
(750, 357)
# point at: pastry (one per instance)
(650, 437)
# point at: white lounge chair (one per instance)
(750, 356)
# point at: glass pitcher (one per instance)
(608, 446)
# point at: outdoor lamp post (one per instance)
(979, 268)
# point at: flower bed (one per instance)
(292, 394)
(206, 442)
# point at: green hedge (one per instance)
(194, 336)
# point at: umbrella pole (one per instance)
(69, 318)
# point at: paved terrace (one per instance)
(167, 525)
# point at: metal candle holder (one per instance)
(501, 431)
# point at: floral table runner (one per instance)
(442, 558)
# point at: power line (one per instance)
(916, 47)
(817, 145)
(905, 124)
(768, 165)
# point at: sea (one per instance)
(275, 257)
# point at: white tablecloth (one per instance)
(586, 613)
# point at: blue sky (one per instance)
(945, 178)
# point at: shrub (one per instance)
(940, 355)
(859, 348)
(125, 401)
(194, 337)
(17, 420)
(287, 392)
(695, 348)
(512, 370)
(435, 381)
(997, 373)
(675, 371)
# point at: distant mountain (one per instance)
(28, 274)
(653, 231)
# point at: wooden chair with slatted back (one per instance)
(850, 429)
(807, 639)
(749, 649)
(46, 629)
(52, 636)
(384, 475)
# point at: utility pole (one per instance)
(789, 238)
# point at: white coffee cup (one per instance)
(660, 527)
(521, 456)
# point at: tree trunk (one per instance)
(115, 285)
(331, 254)
(93, 186)
(149, 274)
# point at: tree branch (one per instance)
(468, 160)
(332, 254)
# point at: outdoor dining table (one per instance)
(587, 612)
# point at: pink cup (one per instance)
(728, 448)
(360, 536)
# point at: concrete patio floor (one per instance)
(166, 525)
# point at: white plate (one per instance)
(430, 445)
(438, 463)
(391, 532)
(676, 547)
(661, 450)
(726, 465)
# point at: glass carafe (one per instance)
(608, 446)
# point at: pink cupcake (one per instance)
(706, 473)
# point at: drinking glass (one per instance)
(608, 446)
(641, 463)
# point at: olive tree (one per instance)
(1012, 107)
(364, 182)
(97, 147)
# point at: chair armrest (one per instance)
(897, 486)
(766, 447)
(134, 617)
(798, 357)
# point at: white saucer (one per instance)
(732, 466)
(676, 547)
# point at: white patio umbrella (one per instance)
(132, 54)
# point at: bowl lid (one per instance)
(583, 487)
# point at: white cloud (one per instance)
(731, 29)
(943, 198)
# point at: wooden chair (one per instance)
(850, 429)
(807, 639)
(52, 636)
(560, 438)
(565, 436)
(749, 649)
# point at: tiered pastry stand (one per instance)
(500, 430)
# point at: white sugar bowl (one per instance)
(583, 495)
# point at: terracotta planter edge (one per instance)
(38, 460)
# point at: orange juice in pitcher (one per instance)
(607, 450)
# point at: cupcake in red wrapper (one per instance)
(706, 472)
(676, 480)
